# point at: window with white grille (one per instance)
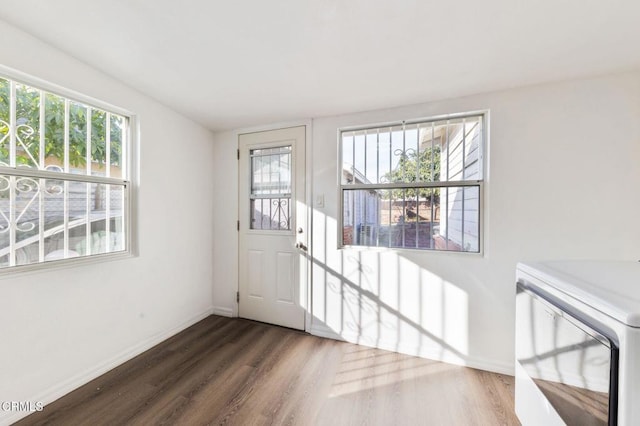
(64, 191)
(413, 184)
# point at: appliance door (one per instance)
(572, 365)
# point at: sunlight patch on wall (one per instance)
(378, 297)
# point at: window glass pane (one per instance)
(429, 161)
(455, 149)
(359, 162)
(77, 138)
(372, 158)
(5, 214)
(472, 169)
(5, 186)
(384, 143)
(114, 230)
(56, 113)
(28, 128)
(44, 218)
(413, 215)
(347, 157)
(398, 156)
(54, 132)
(26, 202)
(460, 142)
(460, 226)
(439, 141)
(118, 205)
(97, 211)
(53, 213)
(413, 218)
(98, 142)
(406, 154)
(390, 218)
(56, 219)
(77, 217)
(117, 138)
(4, 121)
(270, 198)
(27, 138)
(412, 152)
(271, 171)
(271, 214)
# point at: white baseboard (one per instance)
(432, 352)
(58, 391)
(321, 330)
(222, 311)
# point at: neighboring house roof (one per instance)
(353, 175)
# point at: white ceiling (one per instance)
(229, 64)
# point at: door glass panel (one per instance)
(270, 197)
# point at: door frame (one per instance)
(306, 280)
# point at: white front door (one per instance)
(273, 229)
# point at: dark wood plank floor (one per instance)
(239, 372)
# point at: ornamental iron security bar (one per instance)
(415, 184)
(63, 187)
(270, 197)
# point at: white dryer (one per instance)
(578, 343)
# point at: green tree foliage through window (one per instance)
(28, 127)
(414, 167)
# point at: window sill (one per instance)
(54, 265)
(411, 250)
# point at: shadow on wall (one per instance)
(377, 297)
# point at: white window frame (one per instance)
(128, 168)
(484, 114)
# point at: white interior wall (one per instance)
(225, 244)
(562, 165)
(562, 168)
(64, 327)
(561, 159)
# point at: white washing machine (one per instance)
(578, 343)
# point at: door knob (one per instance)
(301, 246)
